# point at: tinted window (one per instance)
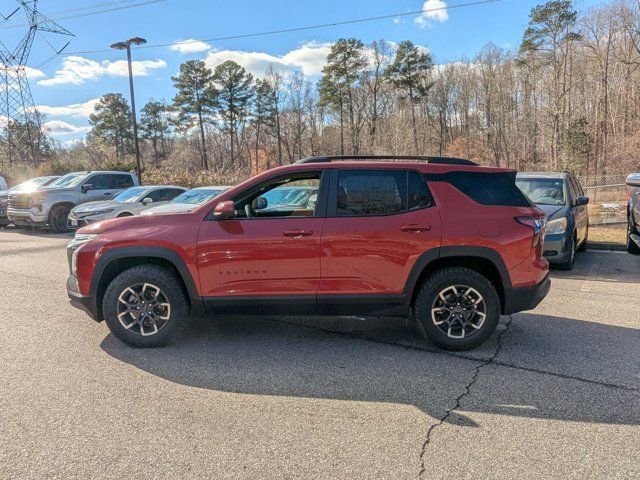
(362, 192)
(100, 182)
(164, 194)
(120, 181)
(485, 188)
(419, 196)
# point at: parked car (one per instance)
(633, 215)
(446, 242)
(51, 205)
(131, 201)
(187, 202)
(562, 198)
(28, 186)
(3, 184)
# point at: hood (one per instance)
(94, 206)
(171, 208)
(551, 210)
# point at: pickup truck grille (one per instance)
(20, 202)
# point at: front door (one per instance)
(267, 251)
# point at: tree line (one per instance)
(566, 98)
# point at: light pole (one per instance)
(126, 45)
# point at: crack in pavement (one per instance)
(467, 391)
(362, 336)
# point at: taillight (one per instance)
(537, 224)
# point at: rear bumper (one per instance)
(86, 303)
(525, 298)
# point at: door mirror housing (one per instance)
(224, 210)
(581, 201)
(259, 203)
(86, 187)
(147, 201)
(633, 180)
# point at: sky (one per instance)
(66, 87)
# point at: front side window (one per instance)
(293, 196)
(163, 194)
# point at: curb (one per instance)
(611, 247)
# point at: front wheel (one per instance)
(632, 247)
(145, 306)
(457, 308)
(58, 218)
(571, 259)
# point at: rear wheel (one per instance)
(145, 306)
(58, 218)
(632, 247)
(457, 308)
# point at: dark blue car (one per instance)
(563, 200)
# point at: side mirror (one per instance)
(147, 201)
(581, 201)
(259, 203)
(633, 180)
(86, 187)
(224, 210)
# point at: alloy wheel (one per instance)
(143, 309)
(459, 311)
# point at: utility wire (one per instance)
(98, 12)
(303, 28)
(91, 7)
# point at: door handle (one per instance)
(416, 228)
(297, 233)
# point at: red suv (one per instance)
(449, 243)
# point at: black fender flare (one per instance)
(166, 254)
(434, 254)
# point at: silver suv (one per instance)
(51, 205)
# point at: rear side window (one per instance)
(498, 189)
(380, 192)
(120, 181)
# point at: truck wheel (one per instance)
(145, 306)
(58, 218)
(457, 308)
(632, 247)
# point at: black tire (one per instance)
(429, 294)
(171, 289)
(58, 218)
(583, 246)
(570, 262)
(632, 247)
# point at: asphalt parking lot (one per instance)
(555, 394)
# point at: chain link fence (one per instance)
(608, 194)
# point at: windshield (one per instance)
(543, 191)
(129, 195)
(196, 197)
(69, 180)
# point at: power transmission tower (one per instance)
(22, 137)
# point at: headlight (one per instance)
(555, 227)
(74, 245)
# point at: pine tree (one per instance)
(111, 122)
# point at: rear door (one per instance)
(378, 223)
(100, 186)
(580, 212)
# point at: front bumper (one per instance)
(557, 247)
(78, 222)
(525, 298)
(86, 303)
(33, 217)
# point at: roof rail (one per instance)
(392, 158)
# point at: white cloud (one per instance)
(78, 70)
(309, 58)
(60, 128)
(435, 10)
(75, 110)
(190, 46)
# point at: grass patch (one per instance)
(613, 235)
